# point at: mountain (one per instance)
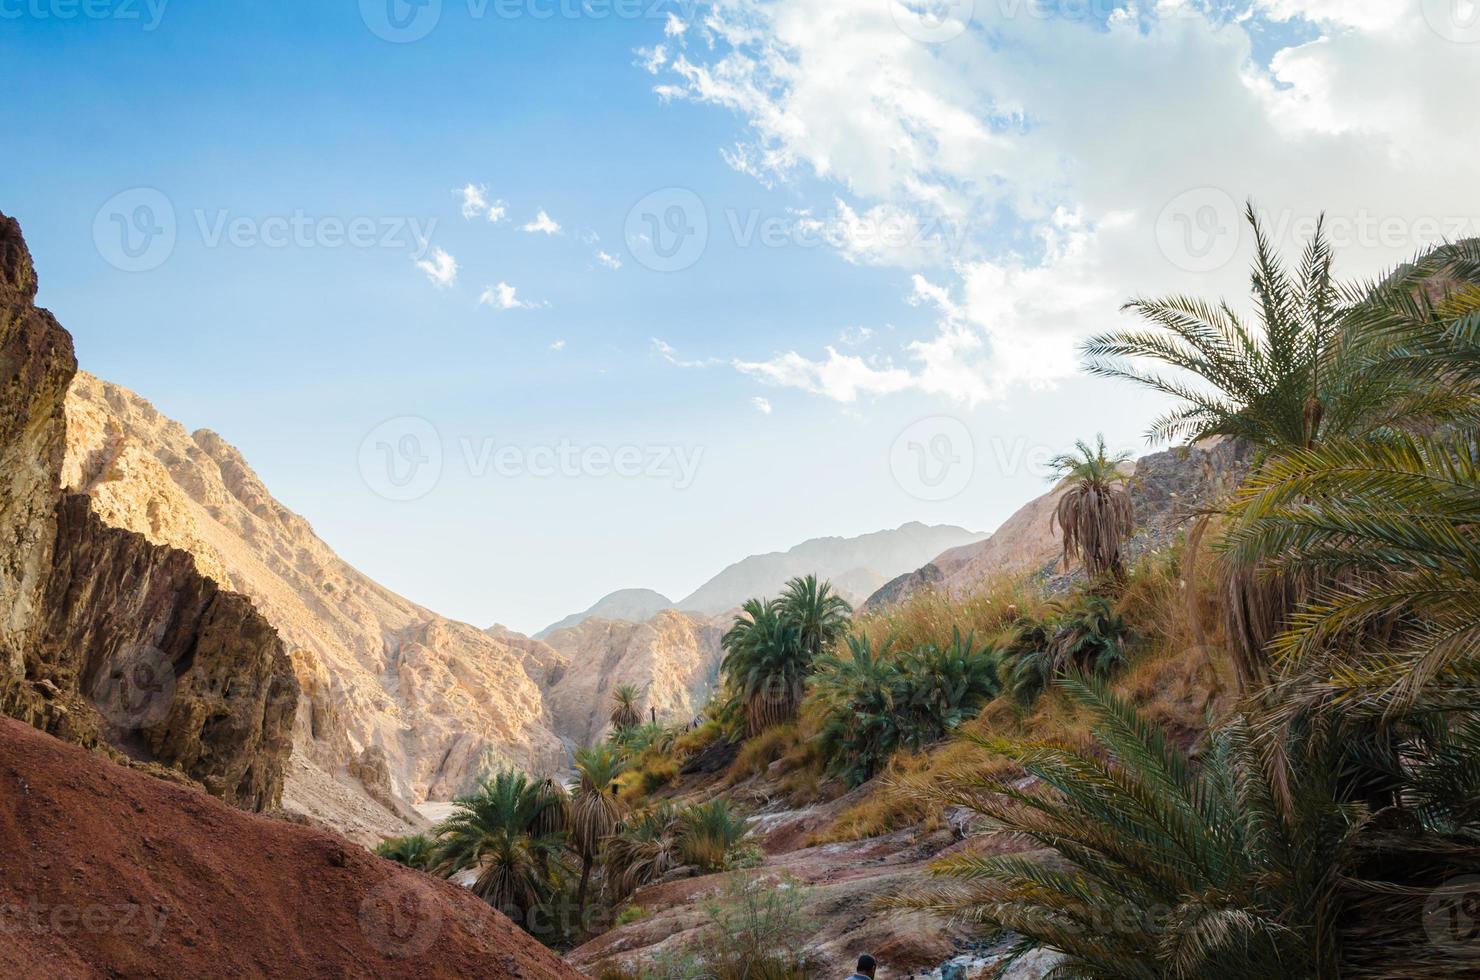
(632, 605)
(160, 880)
(857, 566)
(1166, 488)
(398, 705)
(673, 658)
(107, 639)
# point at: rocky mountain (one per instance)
(398, 704)
(158, 880)
(110, 639)
(672, 657)
(632, 605)
(1165, 489)
(857, 566)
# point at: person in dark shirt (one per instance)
(866, 968)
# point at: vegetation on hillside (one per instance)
(1253, 752)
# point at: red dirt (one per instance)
(108, 872)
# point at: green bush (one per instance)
(1085, 637)
(870, 705)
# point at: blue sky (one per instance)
(1036, 161)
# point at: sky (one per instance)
(519, 302)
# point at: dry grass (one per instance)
(932, 616)
(757, 754)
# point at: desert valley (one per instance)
(740, 490)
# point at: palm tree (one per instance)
(1401, 519)
(645, 847)
(1325, 361)
(595, 808)
(626, 712)
(1164, 868)
(853, 699)
(765, 664)
(1095, 512)
(496, 831)
(820, 615)
(414, 851)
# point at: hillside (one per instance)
(1166, 489)
(398, 704)
(136, 877)
(672, 657)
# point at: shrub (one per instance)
(870, 704)
(758, 930)
(630, 914)
(414, 851)
(1085, 637)
(709, 831)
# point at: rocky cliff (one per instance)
(1166, 488)
(398, 703)
(106, 638)
(673, 658)
(632, 605)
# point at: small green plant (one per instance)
(758, 929)
(709, 832)
(630, 914)
(1085, 637)
(414, 851)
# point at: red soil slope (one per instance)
(108, 872)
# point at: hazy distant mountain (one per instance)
(856, 566)
(631, 605)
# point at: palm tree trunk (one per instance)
(586, 862)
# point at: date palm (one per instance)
(1095, 513)
(1401, 518)
(626, 707)
(765, 664)
(497, 832)
(1152, 866)
(819, 614)
(595, 808)
(1325, 361)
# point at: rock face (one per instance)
(139, 878)
(673, 657)
(107, 639)
(398, 704)
(856, 566)
(1165, 489)
(632, 605)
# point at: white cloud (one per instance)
(1060, 147)
(610, 261)
(543, 223)
(475, 203)
(653, 58)
(674, 26)
(558, 345)
(504, 297)
(441, 269)
(474, 200)
(762, 405)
